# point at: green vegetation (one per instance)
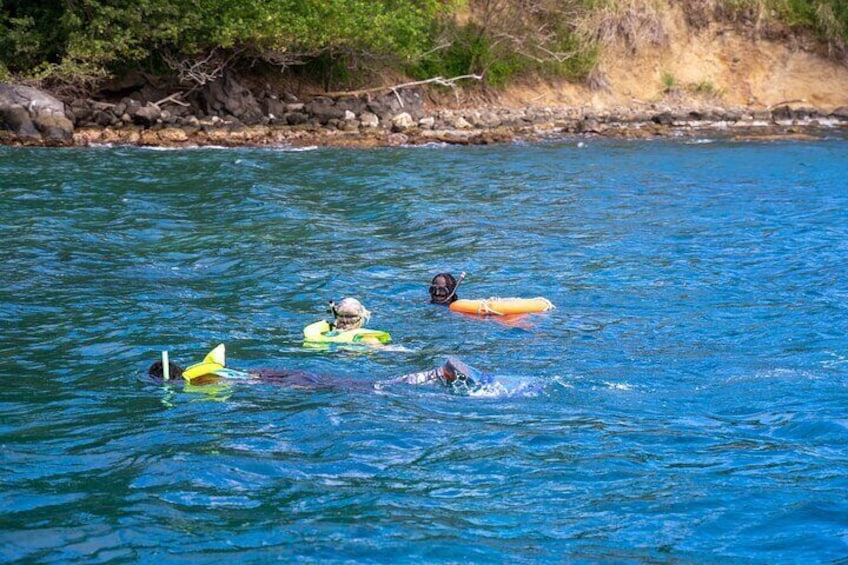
(705, 88)
(668, 81)
(827, 20)
(81, 42)
(505, 39)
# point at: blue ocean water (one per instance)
(684, 403)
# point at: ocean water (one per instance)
(684, 403)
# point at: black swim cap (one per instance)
(155, 371)
(443, 289)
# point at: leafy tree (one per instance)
(89, 39)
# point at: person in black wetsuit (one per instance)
(452, 373)
(294, 377)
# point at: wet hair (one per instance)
(155, 371)
(443, 289)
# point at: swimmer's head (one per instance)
(443, 289)
(349, 314)
(155, 371)
(456, 372)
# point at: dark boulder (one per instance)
(80, 111)
(33, 115)
(146, 115)
(840, 113)
(324, 109)
(273, 106)
(782, 113)
(228, 97)
(351, 104)
(296, 118)
(102, 118)
(15, 118)
(663, 118)
(409, 100)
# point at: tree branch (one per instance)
(172, 98)
(442, 81)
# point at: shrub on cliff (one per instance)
(827, 20)
(504, 39)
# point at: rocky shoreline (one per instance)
(481, 127)
(229, 115)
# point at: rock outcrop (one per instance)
(33, 116)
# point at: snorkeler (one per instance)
(349, 319)
(349, 314)
(212, 369)
(293, 378)
(443, 288)
(451, 374)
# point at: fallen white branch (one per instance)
(784, 102)
(172, 98)
(442, 81)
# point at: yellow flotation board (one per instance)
(214, 361)
(502, 306)
(321, 332)
(214, 364)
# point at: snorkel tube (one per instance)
(441, 284)
(165, 368)
(453, 292)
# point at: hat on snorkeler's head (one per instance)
(349, 314)
(443, 289)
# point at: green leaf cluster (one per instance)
(100, 37)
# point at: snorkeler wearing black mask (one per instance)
(443, 288)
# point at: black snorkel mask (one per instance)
(440, 294)
(445, 293)
(465, 376)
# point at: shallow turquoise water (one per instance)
(685, 402)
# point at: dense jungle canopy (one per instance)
(79, 43)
